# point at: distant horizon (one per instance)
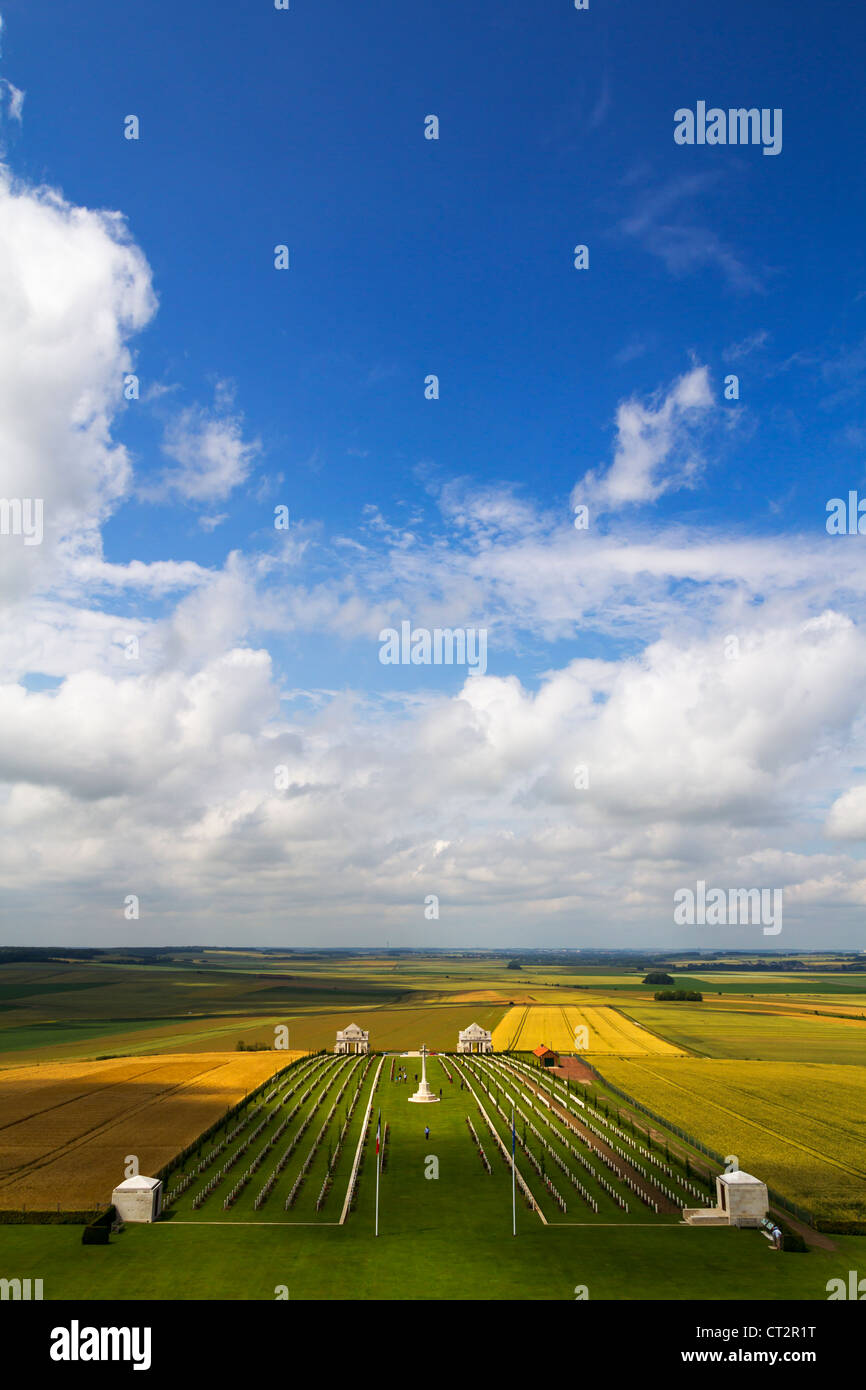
(512, 950)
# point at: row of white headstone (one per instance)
(294, 1080)
(497, 1139)
(681, 1181)
(477, 1142)
(646, 1198)
(524, 1146)
(338, 1147)
(587, 1196)
(307, 1164)
(365, 1129)
(317, 1075)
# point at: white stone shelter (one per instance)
(352, 1039)
(741, 1200)
(138, 1199)
(474, 1039)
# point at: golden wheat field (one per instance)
(67, 1128)
(607, 1032)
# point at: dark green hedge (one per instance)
(98, 1231)
(45, 1218)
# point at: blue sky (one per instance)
(306, 388)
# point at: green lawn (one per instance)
(436, 1252)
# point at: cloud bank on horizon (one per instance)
(194, 715)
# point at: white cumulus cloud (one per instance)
(657, 446)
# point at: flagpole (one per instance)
(378, 1166)
(513, 1179)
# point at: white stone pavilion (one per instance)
(352, 1039)
(741, 1200)
(474, 1039)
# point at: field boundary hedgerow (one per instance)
(11, 1217)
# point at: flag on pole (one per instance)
(513, 1176)
(378, 1164)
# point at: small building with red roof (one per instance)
(546, 1056)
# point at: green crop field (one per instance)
(765, 983)
(801, 1126)
(719, 1032)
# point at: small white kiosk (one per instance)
(138, 1199)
